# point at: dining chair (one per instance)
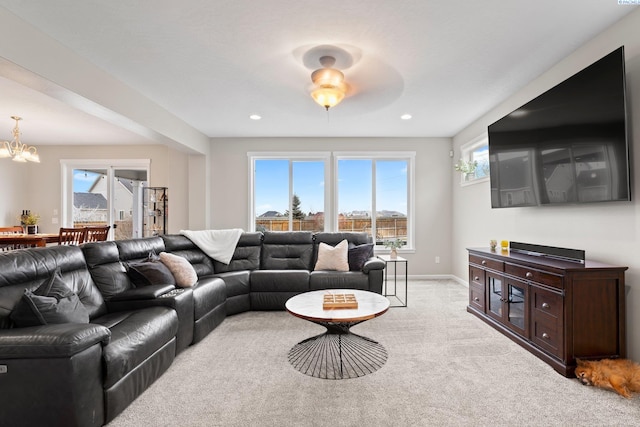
(16, 229)
(96, 233)
(71, 236)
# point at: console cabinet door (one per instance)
(516, 301)
(495, 305)
(508, 302)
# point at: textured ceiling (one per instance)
(213, 63)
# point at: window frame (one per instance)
(290, 157)
(331, 184)
(466, 153)
(409, 157)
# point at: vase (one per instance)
(393, 254)
(32, 229)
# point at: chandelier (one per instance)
(17, 150)
(328, 84)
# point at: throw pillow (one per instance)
(358, 255)
(53, 302)
(144, 273)
(182, 270)
(333, 257)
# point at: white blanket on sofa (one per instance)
(218, 244)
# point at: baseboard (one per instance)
(436, 277)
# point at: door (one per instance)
(104, 192)
(516, 310)
(495, 306)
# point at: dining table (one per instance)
(40, 239)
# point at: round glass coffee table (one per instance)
(337, 353)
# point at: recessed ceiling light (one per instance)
(405, 116)
(255, 117)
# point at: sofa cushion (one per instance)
(139, 249)
(287, 250)
(182, 271)
(246, 255)
(146, 273)
(280, 281)
(333, 257)
(107, 272)
(236, 282)
(178, 244)
(208, 294)
(135, 336)
(338, 280)
(358, 255)
(28, 269)
(53, 302)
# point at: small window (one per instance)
(473, 164)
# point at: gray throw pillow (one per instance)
(145, 273)
(53, 302)
(358, 255)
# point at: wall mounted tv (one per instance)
(568, 145)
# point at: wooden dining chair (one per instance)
(11, 230)
(96, 233)
(15, 229)
(71, 236)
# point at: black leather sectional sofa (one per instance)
(84, 374)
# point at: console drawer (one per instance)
(545, 303)
(546, 335)
(487, 262)
(531, 274)
(476, 296)
(476, 275)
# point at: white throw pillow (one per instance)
(333, 257)
(181, 269)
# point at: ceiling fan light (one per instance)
(328, 96)
(327, 77)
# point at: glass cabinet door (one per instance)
(494, 284)
(516, 305)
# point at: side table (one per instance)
(387, 292)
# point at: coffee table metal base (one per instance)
(338, 353)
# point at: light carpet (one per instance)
(445, 367)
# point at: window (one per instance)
(474, 161)
(373, 196)
(288, 193)
(357, 192)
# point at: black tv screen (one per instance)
(568, 145)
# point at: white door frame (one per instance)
(67, 167)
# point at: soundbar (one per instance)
(565, 254)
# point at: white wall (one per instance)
(15, 179)
(608, 232)
(230, 186)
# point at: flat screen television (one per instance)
(568, 145)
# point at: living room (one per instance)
(203, 171)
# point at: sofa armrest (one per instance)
(50, 341)
(373, 263)
(143, 292)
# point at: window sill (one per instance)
(473, 181)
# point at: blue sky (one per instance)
(83, 180)
(354, 182)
